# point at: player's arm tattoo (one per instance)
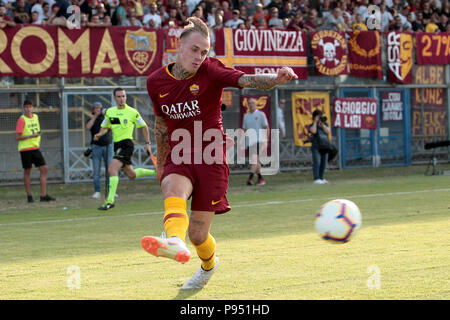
(258, 81)
(162, 142)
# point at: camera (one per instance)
(88, 152)
(323, 119)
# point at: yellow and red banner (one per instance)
(49, 51)
(263, 104)
(400, 56)
(258, 51)
(303, 105)
(433, 48)
(329, 48)
(364, 54)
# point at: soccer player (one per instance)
(185, 94)
(122, 119)
(28, 133)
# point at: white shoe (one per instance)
(96, 195)
(318, 181)
(324, 181)
(200, 278)
(116, 195)
(173, 248)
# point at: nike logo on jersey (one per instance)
(215, 202)
(163, 95)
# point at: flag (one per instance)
(303, 105)
(330, 52)
(364, 54)
(399, 56)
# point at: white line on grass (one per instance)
(242, 205)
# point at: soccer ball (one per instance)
(338, 220)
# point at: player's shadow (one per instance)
(184, 294)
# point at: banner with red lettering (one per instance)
(364, 54)
(355, 113)
(49, 51)
(400, 58)
(258, 51)
(433, 48)
(330, 52)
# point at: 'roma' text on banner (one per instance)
(49, 51)
(303, 105)
(258, 51)
(355, 113)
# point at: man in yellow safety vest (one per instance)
(28, 134)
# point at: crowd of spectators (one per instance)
(308, 15)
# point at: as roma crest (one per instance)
(140, 48)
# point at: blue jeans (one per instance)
(99, 153)
(319, 162)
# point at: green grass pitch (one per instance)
(267, 244)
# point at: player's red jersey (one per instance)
(198, 98)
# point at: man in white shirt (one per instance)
(256, 129)
(386, 17)
(235, 22)
(37, 7)
(152, 15)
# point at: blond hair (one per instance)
(195, 25)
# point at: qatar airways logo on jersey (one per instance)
(182, 110)
(207, 147)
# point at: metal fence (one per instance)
(64, 106)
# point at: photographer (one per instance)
(320, 131)
(100, 149)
